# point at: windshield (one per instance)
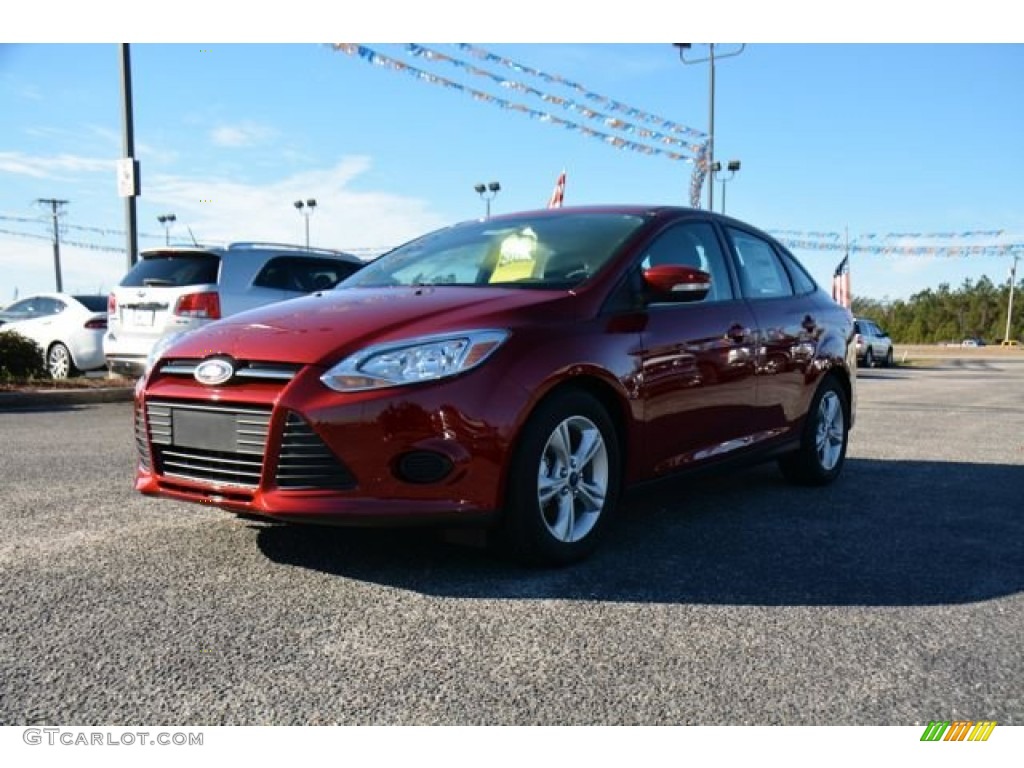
(540, 251)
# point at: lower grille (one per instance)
(217, 444)
(141, 444)
(306, 462)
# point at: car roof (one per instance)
(249, 245)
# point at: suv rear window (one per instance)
(174, 270)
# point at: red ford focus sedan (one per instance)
(515, 372)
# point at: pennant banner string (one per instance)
(567, 104)
(378, 59)
(612, 104)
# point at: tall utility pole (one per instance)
(710, 58)
(128, 168)
(1009, 309)
(55, 209)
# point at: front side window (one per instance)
(692, 244)
(538, 251)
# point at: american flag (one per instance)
(841, 283)
(558, 195)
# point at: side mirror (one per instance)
(676, 283)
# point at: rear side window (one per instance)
(761, 273)
(173, 270)
(305, 274)
(802, 282)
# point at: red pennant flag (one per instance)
(558, 195)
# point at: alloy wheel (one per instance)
(572, 479)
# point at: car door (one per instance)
(697, 357)
(790, 316)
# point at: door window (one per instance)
(692, 244)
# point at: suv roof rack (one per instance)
(253, 244)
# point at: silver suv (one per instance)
(874, 346)
(175, 289)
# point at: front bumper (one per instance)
(301, 452)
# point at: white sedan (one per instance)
(69, 329)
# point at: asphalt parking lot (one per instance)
(891, 598)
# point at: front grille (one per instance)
(249, 370)
(306, 462)
(217, 444)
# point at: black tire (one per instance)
(563, 483)
(59, 363)
(888, 358)
(823, 443)
(869, 359)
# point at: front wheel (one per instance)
(869, 359)
(822, 451)
(564, 481)
(59, 363)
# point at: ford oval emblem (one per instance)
(214, 371)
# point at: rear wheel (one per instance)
(564, 481)
(888, 358)
(59, 363)
(822, 451)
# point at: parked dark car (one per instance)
(515, 372)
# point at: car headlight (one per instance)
(412, 361)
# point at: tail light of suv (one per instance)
(111, 304)
(205, 305)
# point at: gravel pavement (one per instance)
(891, 598)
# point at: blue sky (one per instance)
(866, 138)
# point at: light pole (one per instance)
(710, 58)
(166, 219)
(306, 209)
(716, 169)
(483, 189)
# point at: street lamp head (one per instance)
(479, 188)
(299, 204)
(494, 186)
(311, 203)
(734, 165)
(716, 167)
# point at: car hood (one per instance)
(322, 328)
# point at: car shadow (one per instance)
(887, 533)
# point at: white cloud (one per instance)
(219, 210)
(240, 135)
(53, 166)
(224, 210)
